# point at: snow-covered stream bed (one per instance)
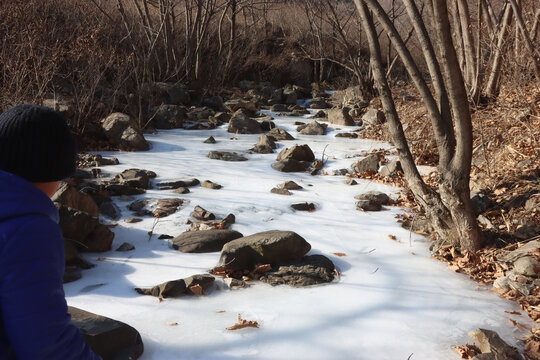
(392, 299)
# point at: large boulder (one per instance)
(369, 163)
(269, 247)
(240, 123)
(266, 140)
(123, 131)
(204, 241)
(290, 165)
(167, 116)
(134, 177)
(313, 128)
(309, 270)
(297, 152)
(69, 196)
(280, 134)
(236, 104)
(108, 338)
(341, 116)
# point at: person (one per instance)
(37, 150)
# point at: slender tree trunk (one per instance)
(492, 86)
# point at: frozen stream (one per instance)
(392, 299)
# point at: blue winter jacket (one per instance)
(34, 322)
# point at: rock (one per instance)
(317, 165)
(167, 93)
(134, 177)
(339, 172)
(123, 190)
(347, 135)
(299, 112)
(289, 96)
(201, 214)
(480, 202)
(167, 116)
(265, 140)
(234, 284)
(280, 134)
(226, 156)
(485, 221)
(527, 266)
(181, 190)
(514, 255)
(370, 162)
(290, 165)
(138, 206)
(368, 205)
(313, 128)
(200, 114)
(171, 185)
(375, 196)
(133, 220)
(122, 130)
(505, 283)
(354, 96)
(214, 102)
(296, 152)
(391, 168)
(533, 203)
(290, 185)
(489, 342)
(279, 108)
(242, 124)
(69, 196)
(165, 237)
(99, 240)
(299, 123)
(307, 271)
(236, 104)
(221, 118)
(267, 125)
(262, 149)
(303, 206)
(320, 115)
(86, 231)
(108, 338)
(350, 182)
(270, 247)
(280, 191)
(88, 160)
(355, 113)
(204, 241)
(109, 209)
(210, 185)
(126, 247)
(318, 103)
(340, 117)
(178, 287)
(373, 117)
(210, 140)
(166, 207)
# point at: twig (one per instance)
(151, 232)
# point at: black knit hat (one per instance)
(36, 144)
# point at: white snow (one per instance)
(392, 299)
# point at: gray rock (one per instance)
(350, 182)
(242, 124)
(201, 214)
(489, 342)
(290, 165)
(126, 247)
(280, 134)
(138, 207)
(135, 178)
(280, 191)
(290, 185)
(210, 140)
(204, 241)
(279, 108)
(226, 156)
(69, 196)
(262, 149)
(533, 202)
(171, 185)
(347, 135)
(178, 287)
(235, 284)
(303, 206)
(181, 190)
(505, 283)
(313, 128)
(123, 130)
(373, 117)
(270, 247)
(266, 140)
(391, 168)
(339, 172)
(340, 117)
(512, 256)
(375, 196)
(210, 185)
(307, 271)
(527, 266)
(166, 207)
(296, 152)
(368, 205)
(108, 338)
(168, 116)
(109, 209)
(318, 103)
(369, 163)
(237, 104)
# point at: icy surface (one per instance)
(392, 300)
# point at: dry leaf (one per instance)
(160, 299)
(243, 324)
(339, 254)
(197, 290)
(513, 312)
(220, 311)
(173, 324)
(467, 351)
(521, 326)
(259, 269)
(392, 237)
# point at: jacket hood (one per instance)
(19, 197)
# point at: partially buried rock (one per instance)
(369, 163)
(307, 271)
(270, 247)
(178, 184)
(180, 287)
(204, 241)
(201, 214)
(280, 191)
(290, 165)
(126, 247)
(139, 207)
(368, 205)
(181, 190)
(351, 182)
(122, 130)
(71, 197)
(240, 123)
(108, 338)
(266, 141)
(234, 284)
(347, 135)
(290, 185)
(211, 185)
(134, 177)
(210, 140)
(280, 134)
(297, 152)
(313, 128)
(375, 196)
(226, 156)
(304, 206)
(492, 346)
(166, 207)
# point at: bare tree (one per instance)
(448, 207)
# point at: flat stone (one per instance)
(375, 196)
(280, 191)
(226, 156)
(134, 177)
(290, 165)
(175, 288)
(303, 206)
(290, 185)
(171, 185)
(201, 214)
(204, 241)
(307, 271)
(166, 207)
(368, 205)
(123, 190)
(126, 247)
(347, 135)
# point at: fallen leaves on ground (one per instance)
(467, 351)
(197, 290)
(241, 324)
